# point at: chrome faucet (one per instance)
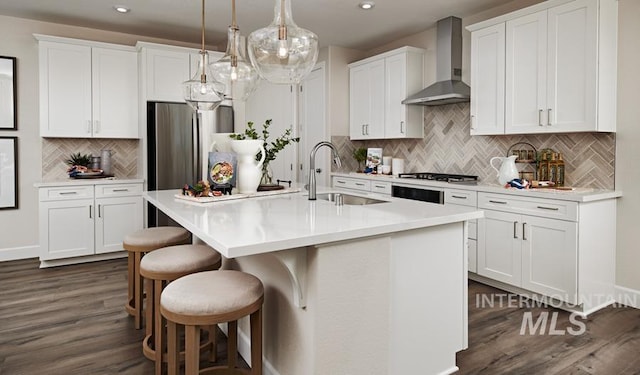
(312, 166)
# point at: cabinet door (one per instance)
(66, 228)
(396, 91)
(115, 93)
(487, 80)
(166, 71)
(572, 78)
(65, 90)
(499, 247)
(115, 218)
(550, 257)
(367, 100)
(526, 74)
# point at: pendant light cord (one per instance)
(234, 27)
(203, 76)
(282, 30)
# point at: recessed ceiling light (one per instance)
(121, 9)
(366, 5)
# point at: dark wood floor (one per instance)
(70, 320)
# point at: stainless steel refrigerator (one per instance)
(174, 148)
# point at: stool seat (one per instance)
(137, 244)
(149, 239)
(170, 263)
(208, 298)
(211, 297)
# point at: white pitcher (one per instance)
(508, 170)
(249, 171)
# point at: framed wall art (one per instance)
(8, 172)
(8, 85)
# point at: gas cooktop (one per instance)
(445, 177)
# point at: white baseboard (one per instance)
(83, 259)
(17, 253)
(627, 296)
(244, 348)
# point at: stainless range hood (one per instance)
(449, 89)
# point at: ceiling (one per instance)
(336, 22)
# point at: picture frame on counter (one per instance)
(374, 157)
(8, 173)
(8, 89)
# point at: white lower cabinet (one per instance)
(469, 199)
(381, 187)
(533, 252)
(86, 220)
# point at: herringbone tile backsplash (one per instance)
(55, 151)
(448, 147)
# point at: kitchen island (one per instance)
(377, 289)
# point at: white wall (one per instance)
(627, 141)
(338, 88)
(19, 228)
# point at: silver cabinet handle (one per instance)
(99, 210)
(90, 212)
(318, 170)
(524, 231)
(540, 117)
(473, 123)
(549, 117)
(359, 184)
(119, 190)
(88, 126)
(340, 182)
(458, 196)
(402, 127)
(515, 229)
(363, 125)
(380, 186)
(548, 208)
(497, 202)
(68, 192)
(367, 129)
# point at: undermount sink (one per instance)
(349, 199)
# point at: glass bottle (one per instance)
(560, 171)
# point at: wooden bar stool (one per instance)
(137, 244)
(159, 268)
(213, 297)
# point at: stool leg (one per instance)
(173, 365)
(137, 302)
(213, 352)
(130, 281)
(232, 344)
(149, 316)
(192, 350)
(256, 342)
(158, 324)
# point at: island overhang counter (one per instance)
(383, 287)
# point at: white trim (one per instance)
(627, 296)
(83, 259)
(17, 253)
(82, 42)
(244, 348)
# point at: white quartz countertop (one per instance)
(89, 181)
(271, 223)
(576, 195)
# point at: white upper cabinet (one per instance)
(87, 89)
(165, 68)
(560, 68)
(487, 80)
(378, 85)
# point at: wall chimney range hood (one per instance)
(449, 88)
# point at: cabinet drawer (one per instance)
(381, 187)
(122, 190)
(461, 197)
(61, 193)
(549, 208)
(352, 183)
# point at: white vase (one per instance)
(249, 170)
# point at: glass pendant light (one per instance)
(283, 52)
(234, 70)
(202, 92)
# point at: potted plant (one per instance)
(271, 148)
(360, 154)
